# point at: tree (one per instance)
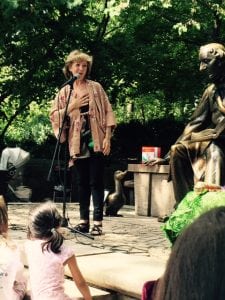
(145, 55)
(36, 36)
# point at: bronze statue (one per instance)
(117, 199)
(198, 154)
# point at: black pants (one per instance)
(182, 173)
(90, 181)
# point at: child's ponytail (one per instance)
(54, 242)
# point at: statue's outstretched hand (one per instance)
(156, 161)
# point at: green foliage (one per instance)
(31, 125)
(145, 56)
(152, 107)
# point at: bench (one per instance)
(120, 273)
(153, 193)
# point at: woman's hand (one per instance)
(107, 141)
(106, 146)
(78, 102)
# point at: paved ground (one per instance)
(134, 248)
(127, 234)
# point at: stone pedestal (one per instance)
(152, 192)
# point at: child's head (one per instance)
(44, 220)
(196, 266)
(3, 216)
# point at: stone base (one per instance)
(153, 193)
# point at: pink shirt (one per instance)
(46, 271)
(12, 280)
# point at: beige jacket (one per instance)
(101, 116)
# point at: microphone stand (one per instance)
(64, 120)
(65, 220)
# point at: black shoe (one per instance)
(82, 227)
(96, 230)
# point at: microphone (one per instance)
(71, 80)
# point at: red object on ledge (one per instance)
(149, 152)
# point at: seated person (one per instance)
(12, 280)
(196, 266)
(149, 290)
(198, 154)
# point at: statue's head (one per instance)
(212, 59)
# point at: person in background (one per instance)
(198, 154)
(196, 266)
(47, 256)
(13, 282)
(91, 121)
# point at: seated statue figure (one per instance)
(198, 154)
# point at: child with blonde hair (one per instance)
(47, 256)
(12, 279)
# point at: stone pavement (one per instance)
(132, 249)
(127, 234)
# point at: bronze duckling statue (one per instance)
(116, 200)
